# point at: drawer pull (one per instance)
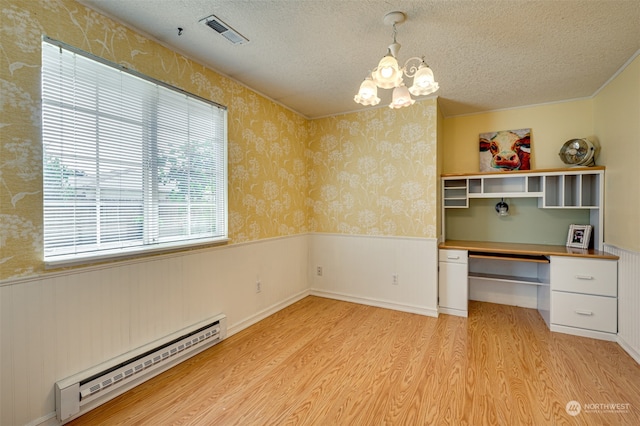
(453, 257)
(587, 313)
(584, 277)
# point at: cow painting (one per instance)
(505, 150)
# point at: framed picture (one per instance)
(579, 236)
(505, 150)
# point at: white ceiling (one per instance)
(312, 55)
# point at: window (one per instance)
(129, 164)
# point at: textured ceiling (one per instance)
(312, 55)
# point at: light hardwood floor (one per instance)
(327, 362)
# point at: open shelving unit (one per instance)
(455, 193)
(571, 191)
(567, 188)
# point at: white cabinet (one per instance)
(584, 296)
(453, 282)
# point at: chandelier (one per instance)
(389, 75)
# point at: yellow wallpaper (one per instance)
(367, 173)
(375, 172)
(267, 169)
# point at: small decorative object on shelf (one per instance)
(579, 152)
(579, 236)
(502, 208)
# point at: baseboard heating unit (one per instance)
(82, 392)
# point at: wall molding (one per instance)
(382, 237)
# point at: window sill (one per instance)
(127, 253)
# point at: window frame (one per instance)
(218, 145)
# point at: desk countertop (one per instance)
(526, 249)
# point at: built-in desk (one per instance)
(524, 249)
(574, 290)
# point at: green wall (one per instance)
(526, 222)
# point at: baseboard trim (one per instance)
(375, 302)
(48, 420)
(455, 312)
(584, 333)
(628, 349)
(248, 322)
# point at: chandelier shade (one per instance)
(401, 98)
(389, 75)
(423, 82)
(368, 93)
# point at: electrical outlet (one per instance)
(319, 271)
(258, 286)
(394, 279)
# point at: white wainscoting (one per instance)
(59, 324)
(361, 269)
(628, 300)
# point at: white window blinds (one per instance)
(130, 164)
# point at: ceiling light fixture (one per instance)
(388, 74)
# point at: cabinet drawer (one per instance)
(585, 311)
(453, 256)
(582, 275)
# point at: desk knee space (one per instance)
(573, 294)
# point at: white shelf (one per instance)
(570, 188)
(565, 188)
(508, 195)
(454, 193)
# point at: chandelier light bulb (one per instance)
(386, 72)
(389, 75)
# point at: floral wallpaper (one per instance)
(374, 172)
(364, 173)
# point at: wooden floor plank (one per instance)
(328, 362)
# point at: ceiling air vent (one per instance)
(225, 30)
